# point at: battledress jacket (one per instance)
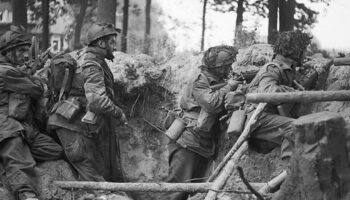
(275, 76)
(12, 80)
(202, 106)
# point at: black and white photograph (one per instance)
(174, 100)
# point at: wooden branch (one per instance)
(304, 96)
(239, 141)
(273, 183)
(133, 187)
(226, 172)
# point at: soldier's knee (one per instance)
(74, 151)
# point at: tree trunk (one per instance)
(79, 24)
(319, 167)
(19, 8)
(287, 11)
(147, 42)
(125, 26)
(239, 20)
(46, 23)
(106, 10)
(273, 9)
(203, 23)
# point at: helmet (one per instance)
(16, 36)
(291, 44)
(219, 56)
(98, 31)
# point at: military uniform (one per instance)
(273, 129)
(93, 150)
(191, 154)
(20, 142)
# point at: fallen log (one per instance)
(269, 186)
(142, 187)
(239, 141)
(136, 187)
(304, 96)
(226, 172)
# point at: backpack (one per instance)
(62, 70)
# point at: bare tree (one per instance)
(46, 23)
(79, 23)
(19, 8)
(272, 30)
(286, 14)
(239, 19)
(125, 26)
(147, 42)
(203, 24)
(106, 10)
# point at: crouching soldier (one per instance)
(85, 113)
(191, 153)
(20, 142)
(273, 129)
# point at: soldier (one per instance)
(89, 139)
(272, 128)
(190, 155)
(20, 142)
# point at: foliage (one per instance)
(305, 16)
(35, 9)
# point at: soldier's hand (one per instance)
(123, 119)
(233, 84)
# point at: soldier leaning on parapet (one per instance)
(190, 154)
(84, 113)
(20, 142)
(274, 129)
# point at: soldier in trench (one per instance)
(21, 144)
(191, 154)
(88, 137)
(273, 129)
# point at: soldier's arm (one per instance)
(95, 92)
(210, 100)
(341, 61)
(18, 82)
(269, 81)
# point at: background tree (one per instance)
(272, 26)
(79, 18)
(147, 43)
(46, 23)
(203, 24)
(19, 12)
(286, 14)
(125, 26)
(106, 11)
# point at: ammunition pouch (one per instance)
(68, 108)
(19, 105)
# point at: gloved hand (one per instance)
(120, 115)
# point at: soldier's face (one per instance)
(222, 72)
(111, 46)
(19, 55)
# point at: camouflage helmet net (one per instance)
(219, 56)
(292, 44)
(15, 37)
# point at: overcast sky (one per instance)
(332, 30)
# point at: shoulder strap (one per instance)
(64, 84)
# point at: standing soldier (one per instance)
(274, 129)
(20, 142)
(190, 155)
(89, 138)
